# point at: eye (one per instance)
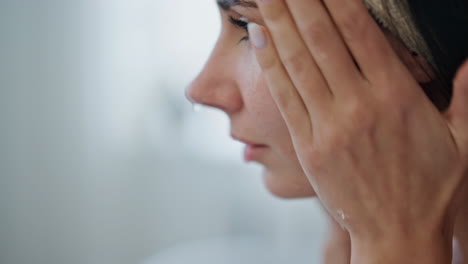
(240, 23)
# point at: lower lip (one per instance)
(254, 152)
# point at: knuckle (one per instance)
(355, 26)
(356, 112)
(295, 62)
(361, 120)
(386, 94)
(315, 33)
(335, 141)
(331, 139)
(284, 100)
(268, 62)
(391, 98)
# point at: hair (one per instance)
(444, 26)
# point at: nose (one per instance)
(216, 87)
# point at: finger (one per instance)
(327, 47)
(458, 111)
(295, 57)
(281, 87)
(365, 39)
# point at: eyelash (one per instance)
(240, 24)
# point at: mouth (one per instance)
(253, 151)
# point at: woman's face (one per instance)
(232, 81)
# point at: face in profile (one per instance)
(232, 81)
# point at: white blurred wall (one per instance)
(42, 167)
(102, 160)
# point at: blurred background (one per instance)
(103, 160)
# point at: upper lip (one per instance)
(248, 142)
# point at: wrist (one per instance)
(461, 233)
(395, 247)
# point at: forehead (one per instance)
(227, 4)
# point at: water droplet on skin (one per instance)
(341, 214)
(343, 217)
(197, 108)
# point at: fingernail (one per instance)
(257, 36)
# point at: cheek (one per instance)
(262, 110)
(261, 106)
(257, 97)
(283, 174)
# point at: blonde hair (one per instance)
(395, 15)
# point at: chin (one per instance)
(286, 186)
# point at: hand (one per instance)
(382, 159)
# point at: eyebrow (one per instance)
(227, 4)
